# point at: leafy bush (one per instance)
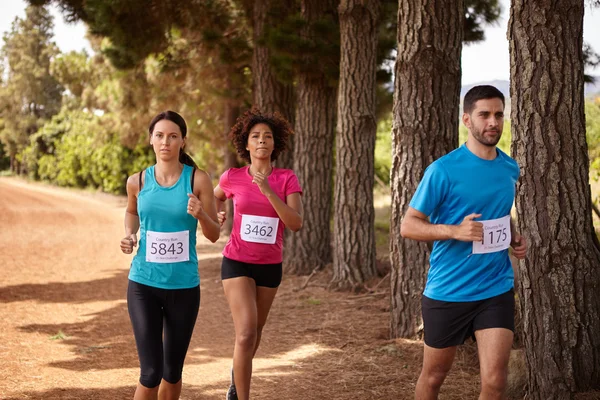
(592, 129)
(76, 149)
(383, 149)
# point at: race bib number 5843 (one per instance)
(167, 247)
(496, 236)
(259, 229)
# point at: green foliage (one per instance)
(302, 46)
(313, 302)
(383, 149)
(29, 94)
(74, 71)
(4, 159)
(592, 129)
(137, 29)
(479, 13)
(59, 336)
(591, 60)
(75, 149)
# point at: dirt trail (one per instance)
(65, 332)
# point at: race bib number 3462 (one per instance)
(496, 236)
(259, 229)
(167, 247)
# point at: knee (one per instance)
(494, 382)
(151, 377)
(246, 339)
(434, 378)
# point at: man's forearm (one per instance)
(423, 230)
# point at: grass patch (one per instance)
(59, 336)
(313, 302)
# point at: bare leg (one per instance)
(250, 306)
(264, 301)
(144, 393)
(493, 346)
(241, 296)
(169, 391)
(436, 365)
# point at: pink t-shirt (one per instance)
(249, 201)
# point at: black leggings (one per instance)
(152, 309)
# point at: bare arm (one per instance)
(132, 220)
(220, 198)
(416, 225)
(290, 212)
(203, 206)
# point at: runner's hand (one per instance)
(469, 230)
(194, 207)
(128, 243)
(519, 246)
(221, 217)
(263, 183)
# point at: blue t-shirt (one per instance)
(454, 186)
(164, 209)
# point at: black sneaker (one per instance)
(231, 392)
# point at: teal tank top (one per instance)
(166, 256)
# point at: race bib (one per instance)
(259, 229)
(496, 236)
(170, 247)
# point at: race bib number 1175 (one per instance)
(496, 236)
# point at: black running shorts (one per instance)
(268, 275)
(448, 324)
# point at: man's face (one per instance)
(486, 121)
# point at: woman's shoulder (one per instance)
(236, 171)
(284, 172)
(135, 181)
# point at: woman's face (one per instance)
(261, 141)
(166, 140)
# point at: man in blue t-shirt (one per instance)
(463, 205)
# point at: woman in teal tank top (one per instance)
(165, 202)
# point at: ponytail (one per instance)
(185, 158)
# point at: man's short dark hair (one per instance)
(480, 92)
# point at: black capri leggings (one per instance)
(152, 309)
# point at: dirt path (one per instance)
(65, 332)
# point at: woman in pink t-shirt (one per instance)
(266, 200)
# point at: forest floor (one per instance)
(65, 331)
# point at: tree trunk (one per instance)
(231, 113)
(310, 248)
(559, 280)
(270, 94)
(354, 215)
(426, 103)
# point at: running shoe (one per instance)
(231, 392)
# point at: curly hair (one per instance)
(280, 127)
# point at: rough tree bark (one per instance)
(231, 113)
(560, 279)
(354, 215)
(269, 93)
(425, 127)
(310, 248)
